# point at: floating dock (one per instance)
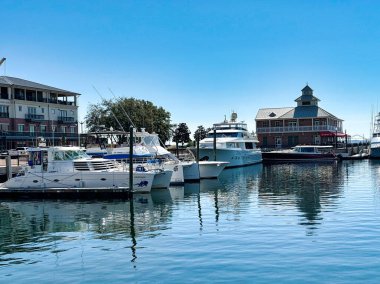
(66, 193)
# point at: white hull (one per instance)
(375, 148)
(235, 157)
(177, 176)
(142, 182)
(375, 153)
(162, 179)
(211, 169)
(190, 171)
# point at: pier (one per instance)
(66, 193)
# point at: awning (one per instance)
(332, 134)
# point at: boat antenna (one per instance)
(126, 114)
(107, 104)
(2, 60)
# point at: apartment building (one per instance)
(32, 112)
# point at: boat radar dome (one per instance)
(233, 116)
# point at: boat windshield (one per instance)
(69, 155)
(151, 140)
(225, 134)
(305, 149)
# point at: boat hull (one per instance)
(211, 169)
(142, 182)
(162, 179)
(177, 176)
(375, 153)
(235, 157)
(191, 171)
(298, 157)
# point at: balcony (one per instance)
(4, 96)
(9, 135)
(65, 103)
(66, 119)
(4, 114)
(292, 129)
(34, 117)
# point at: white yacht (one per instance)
(375, 139)
(146, 149)
(234, 144)
(194, 171)
(70, 167)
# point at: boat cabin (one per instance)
(64, 159)
(313, 149)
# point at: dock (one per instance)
(16, 165)
(66, 193)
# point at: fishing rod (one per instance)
(110, 109)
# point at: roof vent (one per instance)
(272, 114)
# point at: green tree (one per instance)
(182, 134)
(201, 132)
(128, 111)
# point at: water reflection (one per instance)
(307, 186)
(375, 172)
(44, 223)
(281, 189)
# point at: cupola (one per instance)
(307, 98)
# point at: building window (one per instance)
(63, 129)
(43, 128)
(19, 108)
(42, 110)
(21, 127)
(72, 129)
(4, 126)
(19, 94)
(265, 141)
(63, 113)
(292, 123)
(277, 123)
(31, 128)
(4, 93)
(32, 110)
(292, 141)
(4, 111)
(265, 123)
(53, 111)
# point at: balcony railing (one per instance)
(34, 117)
(34, 135)
(66, 119)
(288, 129)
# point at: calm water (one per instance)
(285, 223)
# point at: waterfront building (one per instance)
(32, 112)
(307, 123)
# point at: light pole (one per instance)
(53, 129)
(81, 132)
(336, 137)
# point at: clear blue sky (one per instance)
(201, 59)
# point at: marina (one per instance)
(187, 142)
(266, 223)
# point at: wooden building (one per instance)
(307, 123)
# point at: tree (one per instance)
(142, 114)
(182, 134)
(200, 133)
